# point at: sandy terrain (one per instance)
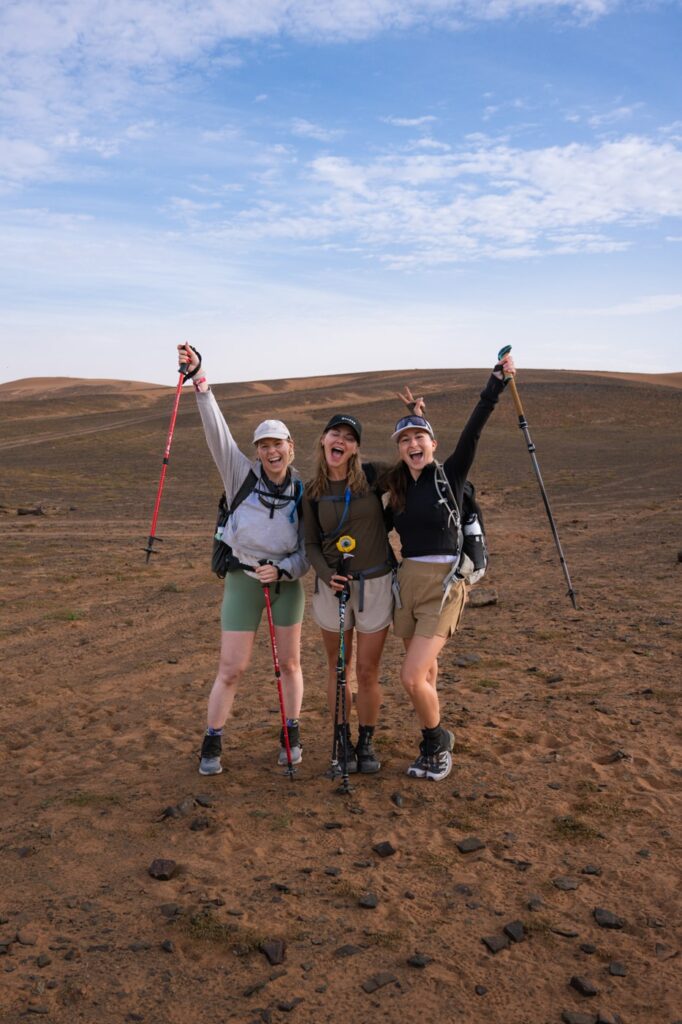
(567, 767)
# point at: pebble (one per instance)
(199, 824)
(588, 948)
(274, 950)
(470, 845)
(385, 849)
(33, 1008)
(583, 986)
(495, 943)
(464, 660)
(290, 1005)
(535, 904)
(378, 981)
(566, 933)
(419, 960)
(331, 825)
(26, 938)
(369, 901)
(43, 960)
(591, 869)
(170, 910)
(606, 919)
(162, 869)
(347, 950)
(565, 884)
(617, 970)
(398, 799)
(574, 1017)
(168, 946)
(552, 680)
(334, 872)
(515, 931)
(203, 800)
(480, 990)
(482, 598)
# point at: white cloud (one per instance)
(409, 122)
(307, 129)
(643, 306)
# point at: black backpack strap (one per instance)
(248, 485)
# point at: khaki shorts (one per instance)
(376, 614)
(421, 594)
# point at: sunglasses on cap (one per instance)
(411, 423)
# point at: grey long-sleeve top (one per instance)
(253, 531)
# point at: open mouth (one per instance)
(337, 452)
(416, 457)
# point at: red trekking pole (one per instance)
(278, 676)
(182, 369)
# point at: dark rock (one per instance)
(162, 869)
(347, 950)
(583, 986)
(482, 598)
(378, 981)
(644, 854)
(333, 872)
(369, 901)
(616, 756)
(199, 824)
(591, 869)
(464, 660)
(565, 884)
(204, 801)
(603, 1017)
(606, 919)
(565, 933)
(43, 960)
(515, 931)
(331, 825)
(617, 970)
(464, 890)
(575, 1017)
(26, 937)
(139, 947)
(34, 1008)
(419, 960)
(535, 904)
(588, 948)
(384, 849)
(274, 950)
(665, 952)
(553, 680)
(495, 943)
(554, 785)
(168, 946)
(290, 1005)
(170, 910)
(397, 799)
(256, 986)
(480, 990)
(470, 845)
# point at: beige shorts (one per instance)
(376, 614)
(421, 594)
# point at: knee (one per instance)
(411, 680)
(367, 673)
(229, 673)
(290, 666)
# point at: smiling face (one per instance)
(416, 449)
(339, 445)
(275, 456)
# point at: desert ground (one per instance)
(539, 883)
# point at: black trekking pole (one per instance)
(523, 424)
(182, 370)
(344, 546)
(278, 676)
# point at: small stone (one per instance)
(464, 660)
(331, 825)
(139, 947)
(470, 845)
(333, 872)
(168, 946)
(644, 854)
(397, 799)
(588, 948)
(591, 869)
(26, 937)
(495, 943)
(554, 785)
(616, 756)
(565, 884)
(603, 1017)
(186, 806)
(204, 801)
(43, 960)
(378, 981)
(575, 1017)
(535, 904)
(170, 812)
(617, 970)
(606, 919)
(287, 1007)
(199, 824)
(482, 598)
(553, 680)
(583, 986)
(274, 950)
(419, 960)
(480, 990)
(409, 895)
(515, 931)
(162, 869)
(368, 901)
(34, 1008)
(347, 950)
(384, 849)
(565, 933)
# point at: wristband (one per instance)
(189, 376)
(201, 380)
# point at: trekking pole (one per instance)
(523, 424)
(278, 676)
(344, 546)
(182, 370)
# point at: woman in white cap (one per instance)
(265, 533)
(432, 594)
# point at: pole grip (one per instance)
(510, 380)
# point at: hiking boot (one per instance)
(295, 745)
(435, 758)
(211, 749)
(368, 762)
(343, 744)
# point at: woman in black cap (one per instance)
(425, 499)
(342, 499)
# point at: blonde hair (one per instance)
(290, 443)
(319, 483)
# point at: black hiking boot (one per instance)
(295, 745)
(344, 747)
(435, 757)
(368, 762)
(211, 749)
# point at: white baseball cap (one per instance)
(271, 428)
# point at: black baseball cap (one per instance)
(343, 419)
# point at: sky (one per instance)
(301, 187)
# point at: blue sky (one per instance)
(301, 187)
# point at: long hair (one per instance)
(319, 483)
(394, 481)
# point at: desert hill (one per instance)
(567, 764)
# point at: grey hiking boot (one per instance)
(295, 745)
(211, 749)
(368, 762)
(344, 747)
(435, 758)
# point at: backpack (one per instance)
(473, 560)
(371, 478)
(222, 557)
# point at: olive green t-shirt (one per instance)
(364, 522)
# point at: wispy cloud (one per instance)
(307, 129)
(409, 122)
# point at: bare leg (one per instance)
(368, 657)
(235, 655)
(416, 673)
(289, 651)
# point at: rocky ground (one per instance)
(537, 884)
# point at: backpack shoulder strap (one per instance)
(370, 473)
(245, 489)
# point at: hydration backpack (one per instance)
(473, 550)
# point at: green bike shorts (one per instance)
(244, 603)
